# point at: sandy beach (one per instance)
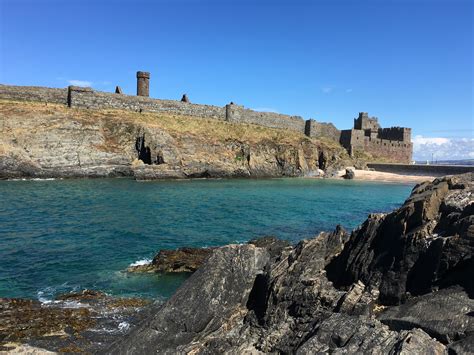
(368, 175)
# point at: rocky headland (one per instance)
(47, 140)
(401, 283)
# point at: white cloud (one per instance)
(265, 109)
(440, 148)
(327, 90)
(80, 82)
(420, 140)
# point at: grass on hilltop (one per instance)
(215, 130)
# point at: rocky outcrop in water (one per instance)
(179, 260)
(49, 141)
(190, 259)
(82, 322)
(399, 284)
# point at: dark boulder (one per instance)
(349, 175)
(446, 315)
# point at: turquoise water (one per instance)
(63, 235)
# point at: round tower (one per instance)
(143, 83)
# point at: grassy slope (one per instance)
(175, 125)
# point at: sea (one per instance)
(60, 236)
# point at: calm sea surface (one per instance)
(63, 235)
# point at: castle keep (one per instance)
(390, 144)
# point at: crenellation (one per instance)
(393, 143)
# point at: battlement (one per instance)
(393, 143)
(88, 98)
(365, 122)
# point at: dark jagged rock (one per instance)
(190, 259)
(273, 245)
(424, 245)
(445, 315)
(463, 346)
(333, 293)
(223, 285)
(344, 334)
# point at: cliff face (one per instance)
(50, 140)
(400, 284)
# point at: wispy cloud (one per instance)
(441, 148)
(349, 90)
(80, 82)
(327, 90)
(265, 109)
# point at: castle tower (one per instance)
(143, 83)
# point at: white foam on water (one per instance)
(34, 179)
(141, 262)
(123, 326)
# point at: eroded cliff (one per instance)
(51, 140)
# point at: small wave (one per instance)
(141, 262)
(34, 179)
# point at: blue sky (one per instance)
(407, 62)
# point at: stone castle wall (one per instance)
(239, 114)
(81, 97)
(87, 98)
(393, 150)
(392, 143)
(33, 93)
(355, 140)
(317, 129)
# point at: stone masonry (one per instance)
(143, 83)
(391, 144)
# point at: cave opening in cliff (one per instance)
(144, 152)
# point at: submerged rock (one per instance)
(336, 293)
(78, 322)
(190, 259)
(179, 260)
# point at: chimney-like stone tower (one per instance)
(143, 83)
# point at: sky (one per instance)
(408, 62)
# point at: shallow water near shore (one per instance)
(58, 236)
